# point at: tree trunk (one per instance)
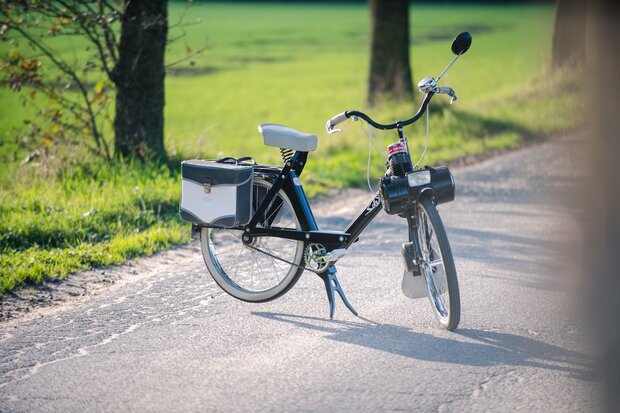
(139, 78)
(390, 73)
(569, 33)
(603, 203)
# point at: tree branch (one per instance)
(66, 69)
(188, 57)
(108, 33)
(92, 37)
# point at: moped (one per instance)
(257, 250)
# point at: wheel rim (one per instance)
(241, 270)
(433, 267)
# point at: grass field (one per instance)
(291, 64)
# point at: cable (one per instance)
(428, 110)
(372, 135)
(368, 166)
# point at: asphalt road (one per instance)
(167, 339)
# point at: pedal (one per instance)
(335, 255)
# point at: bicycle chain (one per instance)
(283, 260)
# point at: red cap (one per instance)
(397, 147)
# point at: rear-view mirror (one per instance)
(461, 43)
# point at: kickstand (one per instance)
(331, 284)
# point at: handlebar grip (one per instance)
(335, 120)
(447, 91)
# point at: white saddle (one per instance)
(282, 136)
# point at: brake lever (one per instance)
(447, 91)
(339, 118)
(330, 128)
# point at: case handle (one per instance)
(237, 161)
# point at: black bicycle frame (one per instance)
(288, 181)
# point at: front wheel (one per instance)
(437, 265)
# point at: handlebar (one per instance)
(341, 117)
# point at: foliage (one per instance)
(28, 25)
(72, 87)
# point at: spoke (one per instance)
(444, 287)
(435, 296)
(277, 269)
(422, 232)
(238, 260)
(260, 269)
(252, 274)
(223, 231)
(257, 268)
(429, 234)
(283, 247)
(275, 262)
(259, 284)
(229, 249)
(275, 210)
(277, 250)
(226, 252)
(436, 252)
(234, 234)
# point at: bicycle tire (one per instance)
(245, 273)
(437, 265)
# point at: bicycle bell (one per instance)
(427, 85)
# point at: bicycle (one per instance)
(262, 259)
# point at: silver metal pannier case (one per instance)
(215, 193)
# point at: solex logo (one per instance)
(375, 203)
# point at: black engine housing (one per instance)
(398, 197)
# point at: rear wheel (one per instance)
(244, 272)
(437, 265)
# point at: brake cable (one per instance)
(372, 135)
(428, 110)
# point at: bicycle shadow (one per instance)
(470, 347)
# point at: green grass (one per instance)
(86, 218)
(291, 64)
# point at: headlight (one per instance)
(419, 178)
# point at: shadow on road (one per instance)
(502, 253)
(469, 347)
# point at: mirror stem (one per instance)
(448, 67)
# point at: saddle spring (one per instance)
(287, 154)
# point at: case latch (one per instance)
(207, 186)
